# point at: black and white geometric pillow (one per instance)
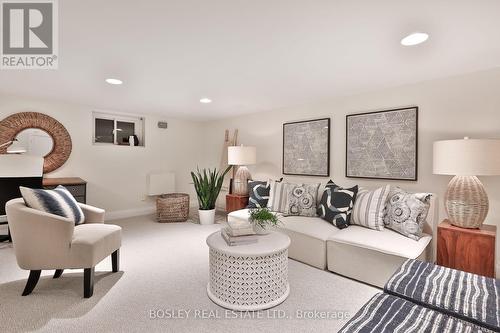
(58, 201)
(336, 204)
(258, 193)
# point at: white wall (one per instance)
(116, 175)
(450, 108)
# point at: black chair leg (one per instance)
(58, 273)
(88, 282)
(115, 260)
(32, 281)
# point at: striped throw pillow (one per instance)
(277, 196)
(57, 201)
(369, 208)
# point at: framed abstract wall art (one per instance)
(382, 144)
(306, 148)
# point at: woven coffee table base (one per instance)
(248, 283)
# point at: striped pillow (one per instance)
(277, 196)
(57, 201)
(369, 208)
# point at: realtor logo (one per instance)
(29, 34)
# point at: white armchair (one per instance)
(43, 241)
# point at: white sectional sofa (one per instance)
(356, 252)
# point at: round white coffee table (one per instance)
(249, 277)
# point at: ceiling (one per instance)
(250, 56)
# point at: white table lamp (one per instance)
(466, 200)
(241, 156)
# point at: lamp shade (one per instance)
(241, 155)
(467, 157)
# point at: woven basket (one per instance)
(172, 207)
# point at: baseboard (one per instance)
(123, 214)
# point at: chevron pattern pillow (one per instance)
(58, 201)
(336, 204)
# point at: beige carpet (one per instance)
(165, 267)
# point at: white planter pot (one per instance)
(207, 216)
(261, 230)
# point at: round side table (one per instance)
(249, 277)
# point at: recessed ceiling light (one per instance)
(414, 39)
(114, 81)
(205, 100)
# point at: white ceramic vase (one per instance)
(259, 230)
(206, 216)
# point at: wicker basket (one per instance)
(172, 207)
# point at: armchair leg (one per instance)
(88, 282)
(32, 281)
(115, 260)
(58, 273)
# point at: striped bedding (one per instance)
(464, 295)
(388, 313)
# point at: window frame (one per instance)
(139, 127)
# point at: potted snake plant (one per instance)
(208, 184)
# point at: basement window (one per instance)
(117, 129)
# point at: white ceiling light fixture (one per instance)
(414, 39)
(205, 100)
(114, 81)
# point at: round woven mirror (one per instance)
(13, 125)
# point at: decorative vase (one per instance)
(261, 230)
(206, 216)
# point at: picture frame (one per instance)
(306, 148)
(382, 144)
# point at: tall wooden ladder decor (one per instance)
(228, 142)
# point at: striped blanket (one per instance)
(388, 313)
(471, 297)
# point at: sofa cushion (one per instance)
(301, 199)
(258, 192)
(369, 208)
(58, 201)
(406, 212)
(335, 205)
(385, 241)
(310, 226)
(277, 196)
(308, 239)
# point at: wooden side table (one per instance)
(236, 202)
(469, 250)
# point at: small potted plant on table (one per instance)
(207, 184)
(263, 220)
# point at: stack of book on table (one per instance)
(238, 232)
